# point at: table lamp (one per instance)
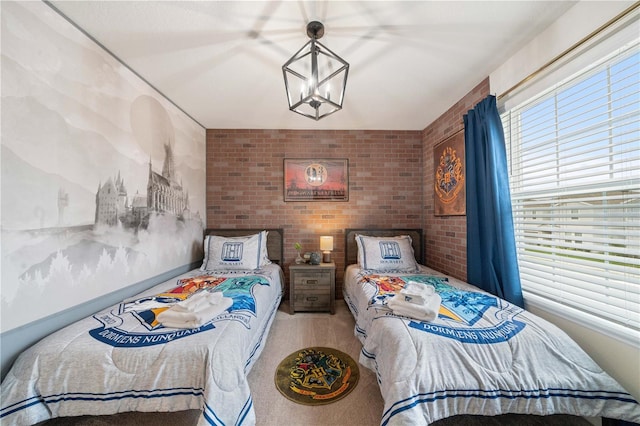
(326, 246)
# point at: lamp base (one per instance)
(326, 257)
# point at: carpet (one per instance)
(316, 376)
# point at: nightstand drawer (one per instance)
(310, 300)
(312, 279)
(312, 292)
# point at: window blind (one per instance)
(574, 159)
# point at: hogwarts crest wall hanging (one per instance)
(449, 177)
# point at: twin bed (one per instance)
(122, 359)
(479, 356)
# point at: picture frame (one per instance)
(449, 183)
(316, 179)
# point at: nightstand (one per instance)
(312, 287)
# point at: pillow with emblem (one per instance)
(386, 254)
(244, 253)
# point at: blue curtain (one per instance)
(491, 250)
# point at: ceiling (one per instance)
(221, 61)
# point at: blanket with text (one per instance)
(480, 356)
(122, 359)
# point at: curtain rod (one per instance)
(572, 48)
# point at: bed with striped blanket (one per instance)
(480, 356)
(123, 359)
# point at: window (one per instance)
(574, 158)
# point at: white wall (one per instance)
(621, 360)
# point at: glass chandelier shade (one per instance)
(315, 78)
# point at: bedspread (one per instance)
(121, 359)
(480, 356)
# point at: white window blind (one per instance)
(574, 158)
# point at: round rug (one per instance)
(315, 376)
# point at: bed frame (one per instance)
(351, 247)
(275, 238)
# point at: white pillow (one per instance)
(386, 254)
(235, 253)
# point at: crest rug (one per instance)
(316, 375)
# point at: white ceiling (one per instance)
(221, 61)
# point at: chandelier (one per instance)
(315, 78)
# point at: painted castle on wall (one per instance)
(72, 117)
(165, 195)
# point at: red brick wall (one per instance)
(390, 186)
(446, 236)
(245, 184)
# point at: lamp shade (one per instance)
(326, 243)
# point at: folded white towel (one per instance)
(418, 293)
(176, 319)
(198, 301)
(424, 312)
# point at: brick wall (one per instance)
(245, 184)
(390, 186)
(446, 236)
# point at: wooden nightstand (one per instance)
(312, 287)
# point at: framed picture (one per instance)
(449, 177)
(316, 179)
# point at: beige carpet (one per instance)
(362, 407)
(292, 332)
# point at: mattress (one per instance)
(480, 356)
(121, 359)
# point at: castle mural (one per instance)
(102, 179)
(164, 196)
